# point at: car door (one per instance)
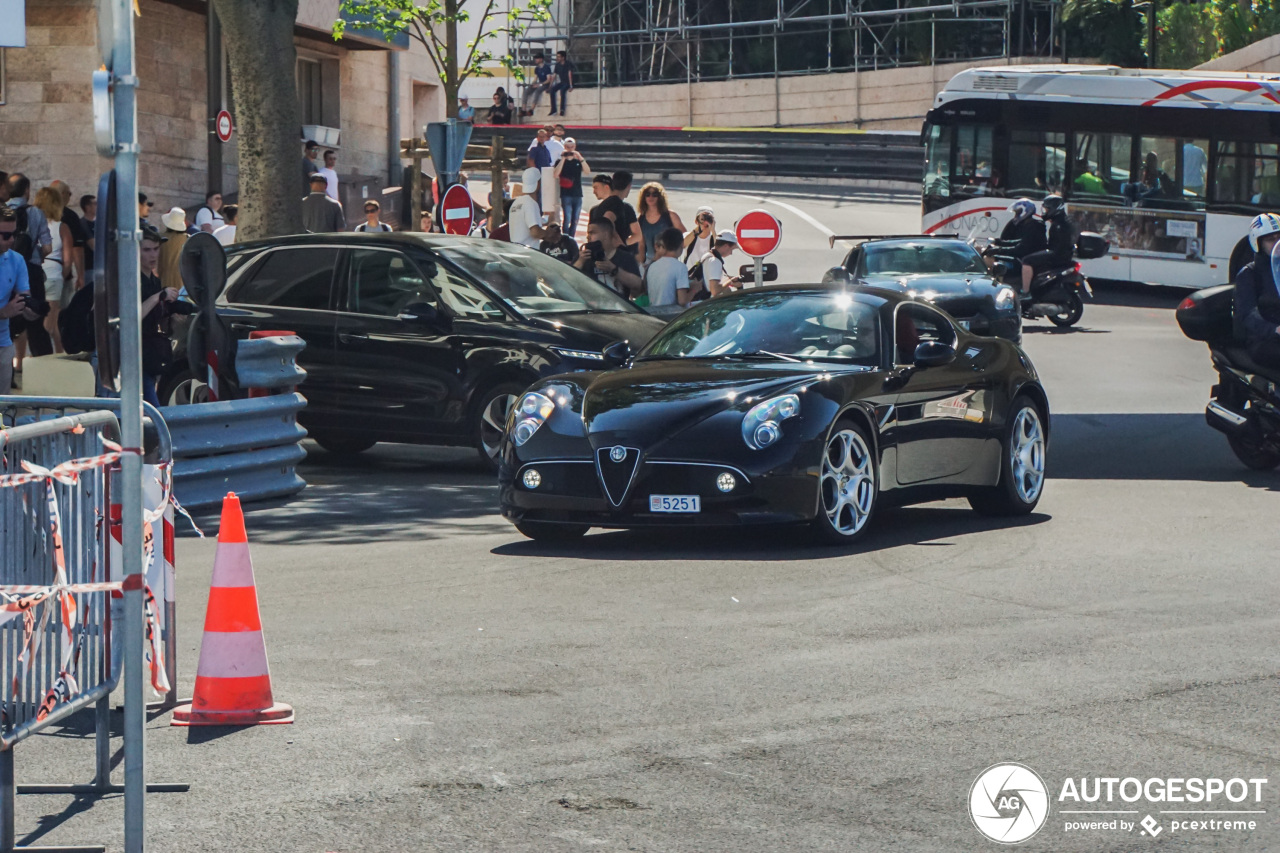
(292, 289)
(939, 412)
(396, 346)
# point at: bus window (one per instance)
(937, 165)
(1102, 165)
(972, 169)
(1164, 180)
(1247, 173)
(1037, 163)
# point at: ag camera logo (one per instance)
(1008, 802)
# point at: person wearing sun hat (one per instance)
(712, 264)
(174, 237)
(525, 217)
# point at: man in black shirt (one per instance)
(564, 82)
(623, 216)
(557, 244)
(89, 209)
(604, 259)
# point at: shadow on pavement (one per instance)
(1145, 447)
(892, 528)
(389, 492)
(1050, 329)
(1130, 294)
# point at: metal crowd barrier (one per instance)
(269, 363)
(249, 447)
(55, 640)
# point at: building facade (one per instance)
(344, 89)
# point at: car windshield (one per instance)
(921, 258)
(784, 326)
(531, 282)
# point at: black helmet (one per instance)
(1053, 205)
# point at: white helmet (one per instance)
(1022, 208)
(1262, 225)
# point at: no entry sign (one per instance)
(455, 210)
(758, 233)
(222, 124)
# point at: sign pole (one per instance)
(497, 174)
(128, 235)
(759, 276)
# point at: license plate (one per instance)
(675, 503)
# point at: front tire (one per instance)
(489, 423)
(848, 487)
(184, 388)
(541, 531)
(1022, 465)
(1253, 454)
(1075, 310)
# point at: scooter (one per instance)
(1245, 404)
(1055, 292)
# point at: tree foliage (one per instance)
(1187, 34)
(434, 25)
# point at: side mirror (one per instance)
(837, 275)
(934, 354)
(421, 312)
(999, 270)
(617, 354)
(768, 272)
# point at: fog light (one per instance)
(532, 479)
(726, 482)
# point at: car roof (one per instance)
(329, 238)
(926, 238)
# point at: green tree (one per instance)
(1111, 30)
(434, 24)
(1185, 36)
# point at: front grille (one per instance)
(962, 307)
(995, 83)
(617, 467)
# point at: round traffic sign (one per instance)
(222, 124)
(758, 232)
(455, 210)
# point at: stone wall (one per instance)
(1261, 56)
(890, 99)
(46, 125)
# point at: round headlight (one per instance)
(529, 404)
(767, 433)
(532, 479)
(787, 408)
(726, 482)
(525, 430)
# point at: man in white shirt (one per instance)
(226, 234)
(524, 220)
(330, 176)
(209, 217)
(666, 279)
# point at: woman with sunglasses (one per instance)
(371, 221)
(655, 216)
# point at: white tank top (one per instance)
(53, 264)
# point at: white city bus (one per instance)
(1170, 166)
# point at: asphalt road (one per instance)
(460, 688)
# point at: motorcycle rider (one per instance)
(1257, 300)
(1022, 235)
(1061, 244)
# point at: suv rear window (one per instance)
(291, 278)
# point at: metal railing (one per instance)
(868, 158)
(56, 636)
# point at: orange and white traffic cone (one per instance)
(233, 684)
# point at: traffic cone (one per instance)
(233, 684)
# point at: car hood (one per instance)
(944, 285)
(598, 330)
(654, 401)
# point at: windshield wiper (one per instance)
(761, 353)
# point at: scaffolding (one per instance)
(637, 42)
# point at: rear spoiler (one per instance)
(863, 238)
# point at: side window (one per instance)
(937, 163)
(463, 298)
(973, 167)
(1102, 165)
(384, 282)
(1037, 162)
(1247, 173)
(291, 278)
(1171, 174)
(915, 324)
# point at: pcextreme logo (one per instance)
(1009, 803)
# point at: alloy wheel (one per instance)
(1026, 455)
(493, 423)
(848, 482)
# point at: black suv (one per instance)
(419, 338)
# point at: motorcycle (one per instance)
(1245, 404)
(1055, 292)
